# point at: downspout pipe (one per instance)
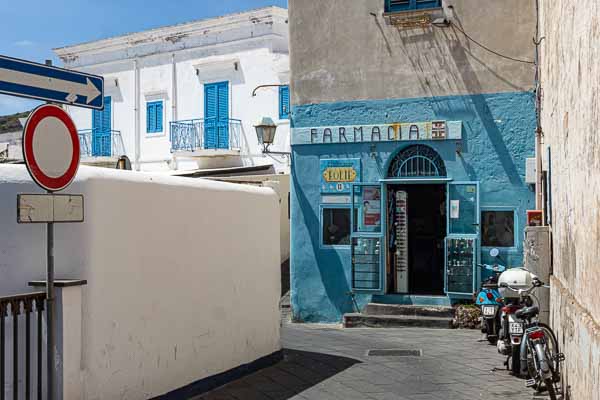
(173, 103)
(137, 164)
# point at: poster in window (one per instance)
(371, 206)
(498, 229)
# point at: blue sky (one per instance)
(32, 28)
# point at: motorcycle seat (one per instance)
(527, 312)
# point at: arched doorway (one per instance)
(417, 221)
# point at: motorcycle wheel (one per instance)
(491, 335)
(550, 388)
(515, 361)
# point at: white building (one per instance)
(181, 97)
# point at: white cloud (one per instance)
(24, 43)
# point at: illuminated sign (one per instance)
(338, 175)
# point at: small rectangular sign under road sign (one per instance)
(45, 208)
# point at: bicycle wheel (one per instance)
(551, 351)
(550, 387)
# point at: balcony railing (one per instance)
(206, 133)
(100, 143)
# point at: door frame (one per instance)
(408, 181)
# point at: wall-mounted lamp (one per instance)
(265, 132)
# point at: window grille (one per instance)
(417, 161)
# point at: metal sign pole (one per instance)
(50, 302)
(50, 309)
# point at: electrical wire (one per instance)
(487, 48)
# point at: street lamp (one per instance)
(265, 132)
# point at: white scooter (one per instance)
(512, 327)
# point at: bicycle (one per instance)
(539, 353)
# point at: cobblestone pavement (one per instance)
(326, 362)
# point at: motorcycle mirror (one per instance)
(494, 252)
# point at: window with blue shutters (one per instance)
(216, 115)
(409, 5)
(154, 117)
(101, 130)
(284, 102)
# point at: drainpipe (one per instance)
(173, 89)
(173, 102)
(539, 133)
(137, 114)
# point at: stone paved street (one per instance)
(325, 362)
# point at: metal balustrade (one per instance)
(205, 133)
(100, 143)
(11, 307)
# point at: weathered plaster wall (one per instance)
(570, 112)
(497, 138)
(172, 267)
(341, 52)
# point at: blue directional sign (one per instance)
(38, 81)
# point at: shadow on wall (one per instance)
(330, 269)
(299, 371)
(479, 104)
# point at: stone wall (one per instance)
(570, 113)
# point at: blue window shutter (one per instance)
(216, 115)
(223, 116)
(149, 113)
(405, 5)
(101, 130)
(154, 117)
(284, 102)
(159, 116)
(210, 116)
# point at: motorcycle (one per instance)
(514, 286)
(490, 301)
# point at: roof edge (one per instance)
(167, 31)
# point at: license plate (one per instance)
(516, 328)
(489, 311)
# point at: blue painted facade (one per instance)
(497, 137)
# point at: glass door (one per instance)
(462, 241)
(367, 238)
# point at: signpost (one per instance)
(51, 152)
(43, 82)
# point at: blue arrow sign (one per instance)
(38, 81)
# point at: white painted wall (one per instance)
(182, 283)
(255, 41)
(283, 190)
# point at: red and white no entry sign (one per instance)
(51, 147)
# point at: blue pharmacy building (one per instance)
(412, 125)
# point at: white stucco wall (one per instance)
(255, 43)
(182, 283)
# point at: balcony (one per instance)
(100, 146)
(195, 135)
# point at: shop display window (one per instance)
(336, 226)
(498, 228)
